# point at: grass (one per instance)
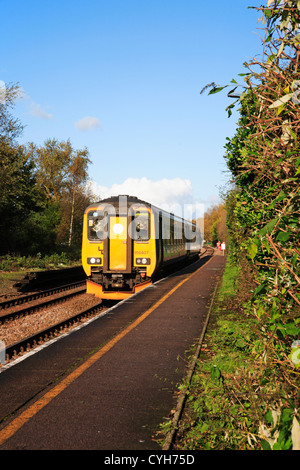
(221, 410)
(7, 281)
(21, 263)
(229, 282)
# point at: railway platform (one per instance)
(109, 384)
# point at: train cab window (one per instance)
(141, 226)
(97, 226)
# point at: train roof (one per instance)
(134, 200)
(130, 199)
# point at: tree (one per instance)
(10, 127)
(61, 173)
(215, 224)
(18, 195)
(42, 189)
(77, 177)
(52, 162)
(75, 198)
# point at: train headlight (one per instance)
(94, 260)
(118, 229)
(142, 261)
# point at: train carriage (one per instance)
(127, 241)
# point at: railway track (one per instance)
(6, 304)
(58, 295)
(207, 251)
(14, 350)
(39, 311)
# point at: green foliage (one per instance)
(245, 391)
(215, 224)
(214, 233)
(236, 399)
(264, 159)
(42, 194)
(264, 208)
(21, 263)
(221, 406)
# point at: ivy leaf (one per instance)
(215, 373)
(292, 329)
(217, 89)
(266, 245)
(283, 236)
(228, 109)
(260, 290)
(268, 228)
(294, 136)
(279, 198)
(281, 109)
(269, 418)
(294, 260)
(252, 249)
(265, 445)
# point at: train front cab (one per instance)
(118, 251)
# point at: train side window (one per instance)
(178, 232)
(166, 229)
(97, 226)
(193, 234)
(141, 226)
(172, 236)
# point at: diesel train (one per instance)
(127, 241)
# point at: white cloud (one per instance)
(87, 123)
(36, 110)
(174, 195)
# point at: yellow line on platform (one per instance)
(26, 415)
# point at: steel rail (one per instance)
(51, 331)
(33, 308)
(37, 295)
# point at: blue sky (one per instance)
(123, 78)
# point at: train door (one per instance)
(117, 243)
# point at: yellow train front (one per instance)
(126, 242)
